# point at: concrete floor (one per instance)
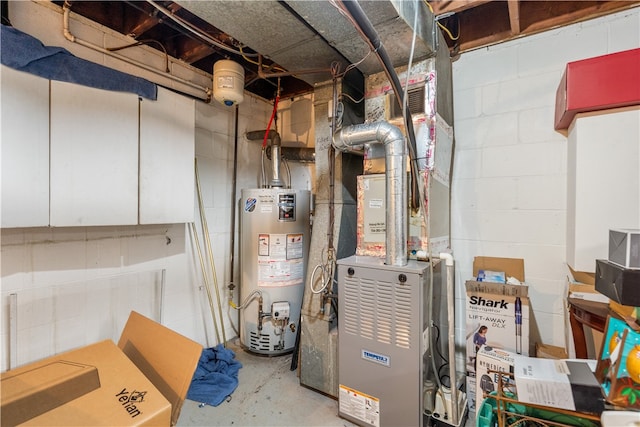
(268, 394)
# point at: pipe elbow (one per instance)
(65, 23)
(390, 134)
(447, 257)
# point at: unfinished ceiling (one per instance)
(305, 37)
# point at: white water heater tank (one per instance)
(228, 82)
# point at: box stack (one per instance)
(618, 277)
(497, 314)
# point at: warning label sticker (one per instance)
(280, 259)
(359, 405)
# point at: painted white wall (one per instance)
(510, 167)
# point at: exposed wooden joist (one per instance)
(196, 52)
(454, 6)
(514, 16)
(143, 26)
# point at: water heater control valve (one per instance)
(280, 310)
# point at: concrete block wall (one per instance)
(509, 175)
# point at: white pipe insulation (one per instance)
(395, 177)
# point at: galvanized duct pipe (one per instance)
(295, 154)
(395, 178)
(276, 156)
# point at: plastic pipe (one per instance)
(204, 93)
(448, 258)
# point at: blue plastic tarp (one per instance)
(23, 52)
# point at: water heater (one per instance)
(274, 248)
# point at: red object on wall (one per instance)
(599, 83)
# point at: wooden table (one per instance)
(590, 313)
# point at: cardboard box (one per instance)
(620, 284)
(624, 248)
(502, 309)
(144, 381)
(493, 359)
(493, 306)
(563, 384)
(546, 351)
(35, 391)
(167, 358)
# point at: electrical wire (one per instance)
(445, 29)
(328, 269)
(346, 95)
(251, 61)
(145, 42)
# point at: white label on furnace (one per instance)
(266, 208)
(359, 406)
(376, 203)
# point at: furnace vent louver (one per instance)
(416, 102)
(378, 310)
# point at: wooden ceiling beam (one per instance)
(143, 26)
(196, 52)
(514, 16)
(454, 6)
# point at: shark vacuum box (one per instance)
(624, 248)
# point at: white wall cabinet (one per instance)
(603, 182)
(94, 156)
(79, 156)
(167, 152)
(24, 149)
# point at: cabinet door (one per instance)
(167, 150)
(94, 156)
(25, 149)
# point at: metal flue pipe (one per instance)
(276, 145)
(276, 156)
(395, 178)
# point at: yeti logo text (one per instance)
(128, 400)
(375, 357)
(478, 300)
